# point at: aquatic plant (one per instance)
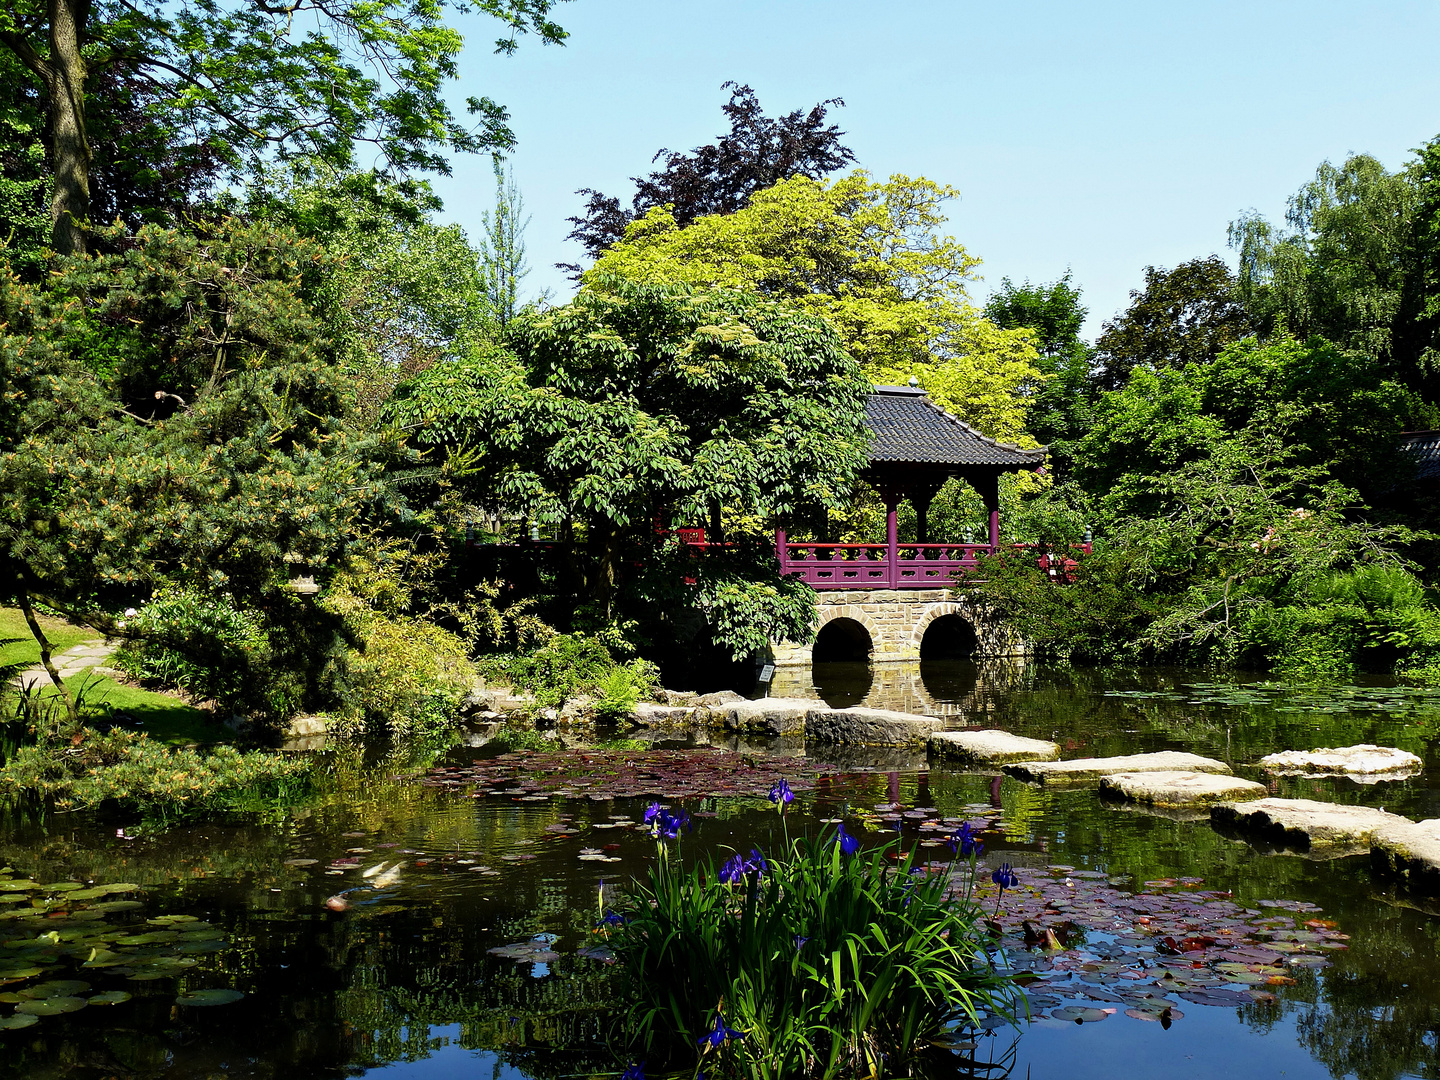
(821, 960)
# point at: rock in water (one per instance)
(1365, 759)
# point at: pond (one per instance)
(398, 973)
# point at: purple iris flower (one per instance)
(719, 1033)
(736, 868)
(634, 1072)
(1005, 877)
(653, 811)
(848, 844)
(613, 918)
(780, 793)
(800, 942)
(965, 841)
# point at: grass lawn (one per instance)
(166, 718)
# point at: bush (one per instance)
(201, 644)
(623, 688)
(828, 963)
(90, 768)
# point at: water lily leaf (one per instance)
(55, 988)
(51, 1006)
(19, 1020)
(209, 997)
(109, 997)
(1081, 1014)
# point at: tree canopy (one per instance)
(871, 259)
(757, 152)
(641, 406)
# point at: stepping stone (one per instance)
(1305, 824)
(768, 716)
(1409, 851)
(650, 714)
(1179, 789)
(869, 727)
(1090, 770)
(1366, 762)
(991, 747)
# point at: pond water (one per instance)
(401, 982)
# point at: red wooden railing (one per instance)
(898, 566)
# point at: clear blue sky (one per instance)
(1102, 137)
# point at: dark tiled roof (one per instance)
(1424, 449)
(910, 429)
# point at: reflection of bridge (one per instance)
(905, 601)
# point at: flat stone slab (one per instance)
(1365, 759)
(768, 716)
(1090, 770)
(1305, 824)
(869, 727)
(651, 714)
(991, 747)
(1179, 789)
(1410, 852)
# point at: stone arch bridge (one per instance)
(902, 624)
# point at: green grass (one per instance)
(167, 719)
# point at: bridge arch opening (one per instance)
(842, 640)
(948, 637)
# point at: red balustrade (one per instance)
(881, 566)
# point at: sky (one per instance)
(1098, 138)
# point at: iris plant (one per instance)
(718, 1034)
(663, 824)
(781, 795)
(634, 1072)
(737, 867)
(848, 844)
(965, 841)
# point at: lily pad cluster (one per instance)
(1086, 949)
(1285, 697)
(89, 932)
(613, 774)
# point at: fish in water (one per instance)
(381, 877)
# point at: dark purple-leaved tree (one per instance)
(719, 178)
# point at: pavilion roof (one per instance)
(1423, 447)
(910, 429)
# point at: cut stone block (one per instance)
(991, 747)
(650, 714)
(768, 716)
(1410, 852)
(869, 727)
(1179, 789)
(1090, 770)
(1305, 824)
(1363, 760)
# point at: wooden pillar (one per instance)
(989, 488)
(892, 539)
(780, 551)
(921, 496)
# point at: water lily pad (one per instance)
(55, 988)
(19, 1020)
(1081, 1014)
(209, 997)
(51, 1006)
(109, 997)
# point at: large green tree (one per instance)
(639, 407)
(872, 259)
(171, 414)
(255, 82)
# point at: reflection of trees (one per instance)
(1377, 1015)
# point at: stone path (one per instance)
(991, 747)
(1178, 789)
(72, 661)
(1090, 770)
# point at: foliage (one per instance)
(623, 688)
(637, 407)
(1357, 265)
(168, 414)
(502, 248)
(1183, 316)
(870, 258)
(815, 962)
(201, 644)
(1062, 400)
(719, 178)
(90, 768)
(569, 665)
(253, 83)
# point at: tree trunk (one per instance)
(45, 651)
(70, 146)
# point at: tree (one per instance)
(1358, 265)
(637, 407)
(1182, 316)
(871, 259)
(256, 82)
(719, 178)
(502, 248)
(169, 414)
(1061, 404)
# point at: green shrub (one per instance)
(565, 666)
(90, 768)
(623, 688)
(830, 964)
(201, 644)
